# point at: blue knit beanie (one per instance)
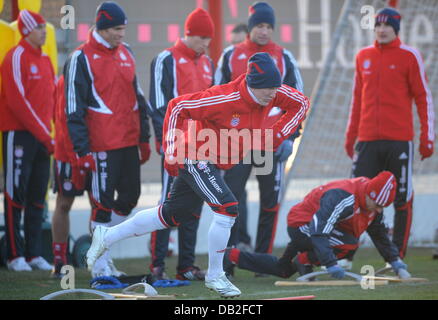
(389, 16)
(109, 14)
(260, 12)
(262, 72)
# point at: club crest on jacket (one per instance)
(235, 120)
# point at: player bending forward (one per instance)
(327, 225)
(242, 104)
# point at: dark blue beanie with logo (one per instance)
(262, 72)
(389, 16)
(109, 14)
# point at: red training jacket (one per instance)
(28, 92)
(358, 220)
(63, 146)
(105, 107)
(226, 107)
(388, 78)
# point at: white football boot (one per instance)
(39, 263)
(97, 247)
(223, 286)
(19, 264)
(114, 271)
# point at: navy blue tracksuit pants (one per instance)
(117, 172)
(26, 166)
(370, 159)
(197, 182)
(186, 233)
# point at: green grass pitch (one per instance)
(34, 285)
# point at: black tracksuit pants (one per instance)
(26, 166)
(187, 233)
(372, 157)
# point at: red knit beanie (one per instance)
(199, 23)
(28, 20)
(382, 188)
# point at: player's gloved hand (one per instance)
(336, 272)
(284, 150)
(86, 162)
(349, 147)
(145, 152)
(171, 168)
(397, 265)
(426, 148)
(50, 146)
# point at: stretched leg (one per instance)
(157, 218)
(264, 262)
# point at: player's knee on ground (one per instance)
(285, 268)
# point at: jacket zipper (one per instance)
(379, 67)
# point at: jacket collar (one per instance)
(97, 42)
(247, 96)
(185, 50)
(383, 46)
(28, 47)
(254, 47)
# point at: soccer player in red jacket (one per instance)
(232, 64)
(389, 77)
(107, 119)
(169, 79)
(225, 118)
(327, 225)
(26, 108)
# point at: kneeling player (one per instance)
(327, 225)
